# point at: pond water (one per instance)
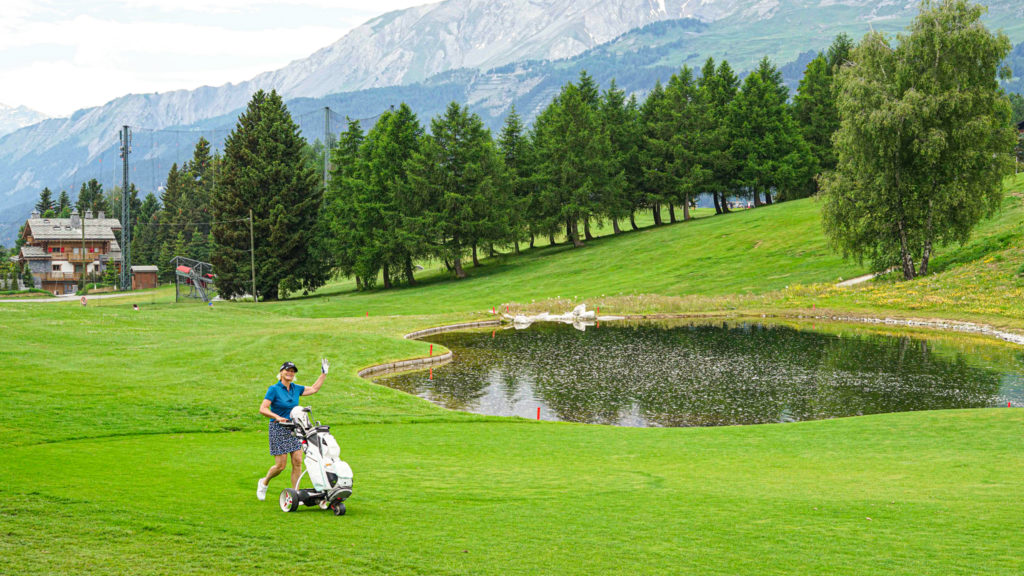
(700, 374)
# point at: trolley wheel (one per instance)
(338, 508)
(289, 500)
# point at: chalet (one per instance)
(56, 250)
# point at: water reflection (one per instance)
(699, 375)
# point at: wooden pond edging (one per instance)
(423, 361)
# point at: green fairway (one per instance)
(135, 445)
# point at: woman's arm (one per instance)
(325, 367)
(265, 410)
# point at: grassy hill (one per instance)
(133, 442)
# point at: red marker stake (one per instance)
(431, 374)
(538, 412)
(431, 349)
(492, 333)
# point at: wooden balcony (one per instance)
(59, 276)
(95, 256)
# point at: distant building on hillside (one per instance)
(56, 251)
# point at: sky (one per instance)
(58, 56)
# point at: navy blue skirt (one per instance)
(281, 440)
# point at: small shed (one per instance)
(144, 277)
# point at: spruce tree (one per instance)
(45, 203)
(263, 171)
(63, 205)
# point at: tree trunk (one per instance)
(686, 209)
(725, 204)
(615, 226)
(768, 197)
(757, 198)
(656, 212)
(923, 270)
(632, 220)
(586, 229)
(671, 212)
(490, 250)
(574, 233)
(408, 271)
(459, 272)
(448, 265)
(359, 283)
(476, 261)
(908, 262)
(551, 239)
(516, 244)
(568, 228)
(718, 209)
(387, 277)
(531, 239)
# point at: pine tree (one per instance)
(90, 197)
(517, 155)
(620, 119)
(718, 86)
(389, 145)
(654, 151)
(772, 155)
(575, 162)
(460, 178)
(263, 171)
(45, 203)
(350, 212)
(63, 205)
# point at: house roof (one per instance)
(33, 252)
(61, 229)
(144, 269)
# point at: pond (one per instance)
(701, 374)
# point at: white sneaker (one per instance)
(261, 490)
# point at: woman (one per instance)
(277, 405)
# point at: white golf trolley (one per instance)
(331, 476)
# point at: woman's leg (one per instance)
(280, 463)
(296, 466)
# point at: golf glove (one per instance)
(325, 366)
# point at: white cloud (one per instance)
(63, 56)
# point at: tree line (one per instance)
(399, 193)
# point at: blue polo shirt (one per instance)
(282, 400)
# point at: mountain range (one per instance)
(489, 54)
(15, 117)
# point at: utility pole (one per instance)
(126, 220)
(252, 258)
(82, 277)
(327, 145)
